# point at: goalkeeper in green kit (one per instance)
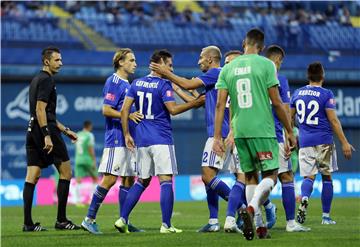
(85, 160)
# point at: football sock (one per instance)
(123, 191)
(261, 193)
(267, 204)
(62, 193)
(236, 197)
(307, 187)
(132, 198)
(250, 189)
(327, 196)
(28, 194)
(166, 201)
(213, 202)
(288, 200)
(220, 187)
(98, 197)
(78, 193)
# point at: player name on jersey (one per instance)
(242, 70)
(147, 84)
(309, 92)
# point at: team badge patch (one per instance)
(110, 96)
(169, 93)
(264, 156)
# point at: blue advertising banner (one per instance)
(11, 192)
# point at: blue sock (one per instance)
(327, 196)
(123, 191)
(213, 203)
(289, 200)
(266, 202)
(235, 198)
(166, 201)
(98, 197)
(220, 187)
(132, 198)
(307, 187)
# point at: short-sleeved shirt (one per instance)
(85, 140)
(284, 92)
(114, 94)
(247, 79)
(311, 103)
(209, 80)
(42, 88)
(150, 93)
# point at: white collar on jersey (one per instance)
(116, 75)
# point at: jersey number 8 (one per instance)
(244, 97)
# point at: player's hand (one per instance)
(199, 101)
(48, 144)
(159, 68)
(218, 147)
(347, 150)
(72, 135)
(129, 142)
(287, 150)
(136, 117)
(291, 141)
(229, 141)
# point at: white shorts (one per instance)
(230, 162)
(156, 160)
(118, 161)
(284, 164)
(320, 158)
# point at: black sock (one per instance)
(28, 194)
(62, 193)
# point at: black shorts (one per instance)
(36, 155)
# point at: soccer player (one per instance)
(276, 54)
(116, 159)
(314, 107)
(251, 82)
(209, 63)
(85, 160)
(44, 143)
(237, 194)
(153, 97)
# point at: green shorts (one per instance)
(260, 154)
(85, 171)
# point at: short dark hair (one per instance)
(315, 72)
(47, 52)
(87, 124)
(233, 52)
(160, 54)
(255, 37)
(274, 50)
(119, 55)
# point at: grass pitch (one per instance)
(188, 216)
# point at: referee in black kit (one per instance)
(44, 143)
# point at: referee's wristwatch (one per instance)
(66, 130)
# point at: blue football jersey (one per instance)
(209, 79)
(284, 92)
(311, 103)
(114, 94)
(150, 94)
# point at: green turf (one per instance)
(188, 216)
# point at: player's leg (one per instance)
(286, 178)
(211, 164)
(308, 170)
(110, 162)
(327, 165)
(63, 223)
(32, 176)
(145, 171)
(80, 172)
(165, 168)
(236, 196)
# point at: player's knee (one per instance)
(286, 177)
(128, 181)
(144, 182)
(326, 177)
(108, 181)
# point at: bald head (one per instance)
(213, 52)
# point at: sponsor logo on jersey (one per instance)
(264, 156)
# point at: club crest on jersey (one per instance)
(110, 96)
(264, 156)
(169, 93)
(332, 101)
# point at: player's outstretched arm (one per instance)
(336, 126)
(183, 95)
(180, 81)
(218, 145)
(175, 109)
(282, 114)
(129, 141)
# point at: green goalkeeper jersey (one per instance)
(247, 79)
(85, 140)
